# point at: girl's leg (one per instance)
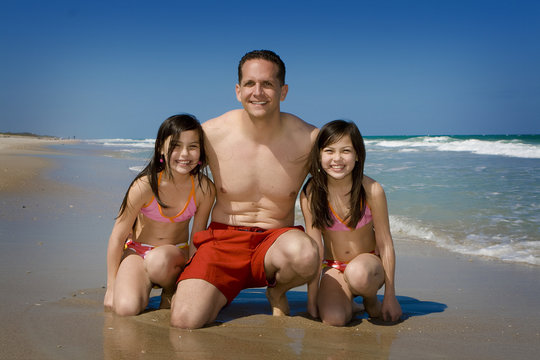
(334, 299)
(365, 276)
(163, 265)
(131, 287)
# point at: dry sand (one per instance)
(54, 231)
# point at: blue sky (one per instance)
(117, 69)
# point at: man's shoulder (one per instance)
(224, 118)
(296, 126)
(223, 123)
(295, 120)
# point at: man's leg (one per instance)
(195, 304)
(292, 260)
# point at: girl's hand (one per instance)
(391, 310)
(313, 311)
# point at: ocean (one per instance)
(473, 195)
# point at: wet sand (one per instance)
(56, 213)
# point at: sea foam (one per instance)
(501, 248)
(510, 148)
(127, 143)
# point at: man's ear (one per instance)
(237, 90)
(284, 91)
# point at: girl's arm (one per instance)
(121, 230)
(315, 234)
(205, 203)
(391, 310)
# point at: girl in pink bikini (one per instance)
(349, 212)
(148, 245)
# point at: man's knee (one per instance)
(195, 304)
(183, 318)
(304, 255)
(297, 242)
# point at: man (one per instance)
(258, 157)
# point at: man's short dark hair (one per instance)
(265, 55)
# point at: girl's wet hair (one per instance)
(329, 134)
(173, 126)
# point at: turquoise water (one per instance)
(475, 195)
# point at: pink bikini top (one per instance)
(340, 225)
(153, 210)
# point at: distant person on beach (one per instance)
(149, 240)
(348, 210)
(258, 157)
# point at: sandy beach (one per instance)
(57, 209)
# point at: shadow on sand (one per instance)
(253, 301)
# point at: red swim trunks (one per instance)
(232, 257)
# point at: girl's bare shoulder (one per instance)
(141, 188)
(372, 187)
(205, 185)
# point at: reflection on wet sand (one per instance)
(292, 337)
(259, 336)
(238, 333)
(129, 337)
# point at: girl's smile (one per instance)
(338, 159)
(186, 152)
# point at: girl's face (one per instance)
(338, 159)
(186, 152)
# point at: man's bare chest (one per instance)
(257, 169)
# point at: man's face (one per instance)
(260, 91)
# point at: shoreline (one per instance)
(456, 306)
(23, 160)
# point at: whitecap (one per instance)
(510, 148)
(136, 169)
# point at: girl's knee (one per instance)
(128, 307)
(364, 276)
(163, 268)
(335, 317)
(165, 255)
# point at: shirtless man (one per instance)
(258, 157)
